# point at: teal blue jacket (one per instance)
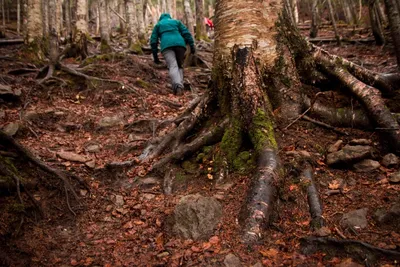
(171, 32)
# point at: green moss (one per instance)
(200, 157)
(105, 47)
(232, 141)
(262, 131)
(142, 83)
(136, 48)
(190, 167)
(244, 162)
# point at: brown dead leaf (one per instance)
(335, 184)
(214, 240)
(195, 249)
(270, 253)
(128, 225)
(206, 245)
(138, 222)
(160, 241)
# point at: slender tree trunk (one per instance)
(163, 6)
(121, 10)
(295, 10)
(394, 23)
(53, 35)
(131, 19)
(376, 25)
(200, 26)
(3, 15)
(97, 19)
(188, 16)
(314, 19)
(332, 16)
(173, 12)
(140, 21)
(67, 16)
(34, 27)
(347, 12)
(381, 13)
(18, 16)
(104, 27)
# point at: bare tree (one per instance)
(34, 27)
(18, 16)
(375, 21)
(332, 16)
(188, 16)
(393, 12)
(140, 21)
(314, 19)
(131, 19)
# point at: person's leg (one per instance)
(180, 58)
(174, 74)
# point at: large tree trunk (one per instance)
(394, 21)
(200, 26)
(81, 31)
(376, 24)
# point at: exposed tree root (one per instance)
(359, 250)
(174, 138)
(317, 221)
(261, 196)
(387, 83)
(372, 101)
(24, 153)
(183, 151)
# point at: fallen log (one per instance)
(334, 40)
(11, 41)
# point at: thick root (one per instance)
(261, 197)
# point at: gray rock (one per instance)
(366, 165)
(71, 156)
(390, 160)
(7, 91)
(335, 147)
(195, 217)
(355, 219)
(119, 200)
(349, 154)
(111, 121)
(395, 177)
(231, 260)
(93, 148)
(91, 164)
(299, 154)
(360, 142)
(148, 196)
(31, 115)
(391, 217)
(11, 129)
(258, 264)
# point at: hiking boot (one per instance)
(179, 90)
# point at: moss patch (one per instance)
(244, 162)
(262, 131)
(232, 141)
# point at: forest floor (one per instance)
(121, 220)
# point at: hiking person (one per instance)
(173, 36)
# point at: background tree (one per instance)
(200, 26)
(33, 27)
(105, 46)
(393, 12)
(188, 16)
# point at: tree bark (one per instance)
(34, 27)
(131, 20)
(394, 22)
(200, 26)
(45, 14)
(314, 19)
(188, 16)
(140, 21)
(104, 27)
(376, 25)
(332, 16)
(121, 10)
(18, 16)
(3, 15)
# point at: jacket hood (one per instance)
(165, 16)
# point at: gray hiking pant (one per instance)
(174, 56)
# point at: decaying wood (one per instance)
(317, 221)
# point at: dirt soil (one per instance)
(108, 232)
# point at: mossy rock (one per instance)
(136, 48)
(244, 162)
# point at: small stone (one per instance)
(395, 177)
(72, 156)
(110, 121)
(390, 160)
(355, 219)
(91, 164)
(83, 192)
(348, 155)
(348, 263)
(119, 200)
(258, 264)
(366, 165)
(360, 142)
(163, 254)
(225, 186)
(335, 147)
(11, 129)
(93, 148)
(107, 219)
(298, 154)
(149, 182)
(323, 231)
(231, 260)
(219, 196)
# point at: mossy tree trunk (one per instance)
(200, 26)
(131, 20)
(140, 21)
(34, 28)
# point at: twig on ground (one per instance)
(324, 125)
